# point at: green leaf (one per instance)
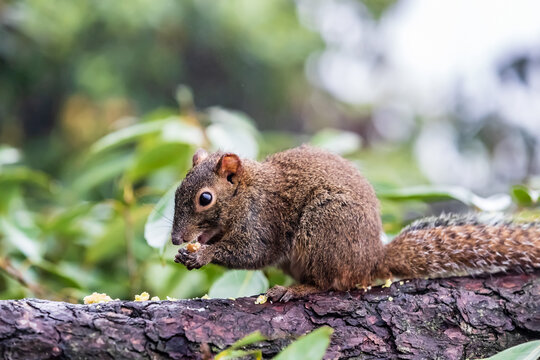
(232, 131)
(59, 273)
(437, 193)
(308, 347)
(276, 276)
(20, 239)
(239, 283)
(157, 229)
(21, 174)
(160, 155)
(107, 168)
(232, 353)
(337, 141)
(180, 132)
(522, 196)
(238, 354)
(67, 217)
(127, 135)
(249, 339)
(10, 198)
(176, 280)
(113, 241)
(527, 351)
(428, 193)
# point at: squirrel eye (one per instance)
(205, 198)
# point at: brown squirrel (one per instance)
(314, 215)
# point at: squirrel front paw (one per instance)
(192, 260)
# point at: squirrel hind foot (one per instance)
(280, 293)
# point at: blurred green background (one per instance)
(102, 105)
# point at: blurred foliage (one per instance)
(67, 236)
(89, 62)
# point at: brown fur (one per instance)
(314, 215)
(463, 249)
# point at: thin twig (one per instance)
(7, 268)
(129, 236)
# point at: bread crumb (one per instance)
(171, 298)
(96, 298)
(387, 283)
(155, 298)
(144, 296)
(205, 297)
(261, 299)
(193, 247)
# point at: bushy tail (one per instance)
(463, 245)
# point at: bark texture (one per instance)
(455, 318)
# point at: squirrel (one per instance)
(312, 213)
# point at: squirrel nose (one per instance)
(177, 237)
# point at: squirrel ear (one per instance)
(229, 164)
(199, 156)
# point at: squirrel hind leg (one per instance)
(336, 248)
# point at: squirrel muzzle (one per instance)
(198, 235)
(177, 237)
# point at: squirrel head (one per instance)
(203, 197)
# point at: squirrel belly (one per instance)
(454, 245)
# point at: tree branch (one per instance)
(453, 318)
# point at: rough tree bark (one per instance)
(453, 318)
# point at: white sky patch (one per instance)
(420, 59)
(428, 49)
(434, 44)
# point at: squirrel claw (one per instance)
(190, 260)
(284, 294)
(279, 293)
(181, 257)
